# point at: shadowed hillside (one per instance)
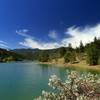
(7, 56)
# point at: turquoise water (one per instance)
(24, 81)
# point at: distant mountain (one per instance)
(23, 51)
(27, 53)
(34, 54)
(7, 55)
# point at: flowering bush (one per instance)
(76, 87)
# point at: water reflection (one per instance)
(23, 81)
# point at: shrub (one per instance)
(76, 87)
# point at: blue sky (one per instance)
(47, 24)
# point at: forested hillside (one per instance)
(90, 53)
(7, 56)
(26, 53)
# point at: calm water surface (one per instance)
(24, 81)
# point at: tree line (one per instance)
(90, 52)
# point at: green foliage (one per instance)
(62, 51)
(81, 48)
(47, 55)
(76, 87)
(70, 57)
(44, 56)
(93, 52)
(70, 47)
(95, 39)
(99, 60)
(7, 56)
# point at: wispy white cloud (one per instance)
(53, 34)
(24, 33)
(77, 34)
(3, 44)
(28, 42)
(31, 42)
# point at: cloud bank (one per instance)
(86, 35)
(40, 45)
(77, 34)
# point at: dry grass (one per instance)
(81, 64)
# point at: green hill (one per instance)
(7, 56)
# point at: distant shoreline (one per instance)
(77, 65)
(64, 65)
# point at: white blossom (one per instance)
(76, 87)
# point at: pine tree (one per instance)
(92, 54)
(81, 47)
(70, 47)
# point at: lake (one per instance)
(24, 81)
